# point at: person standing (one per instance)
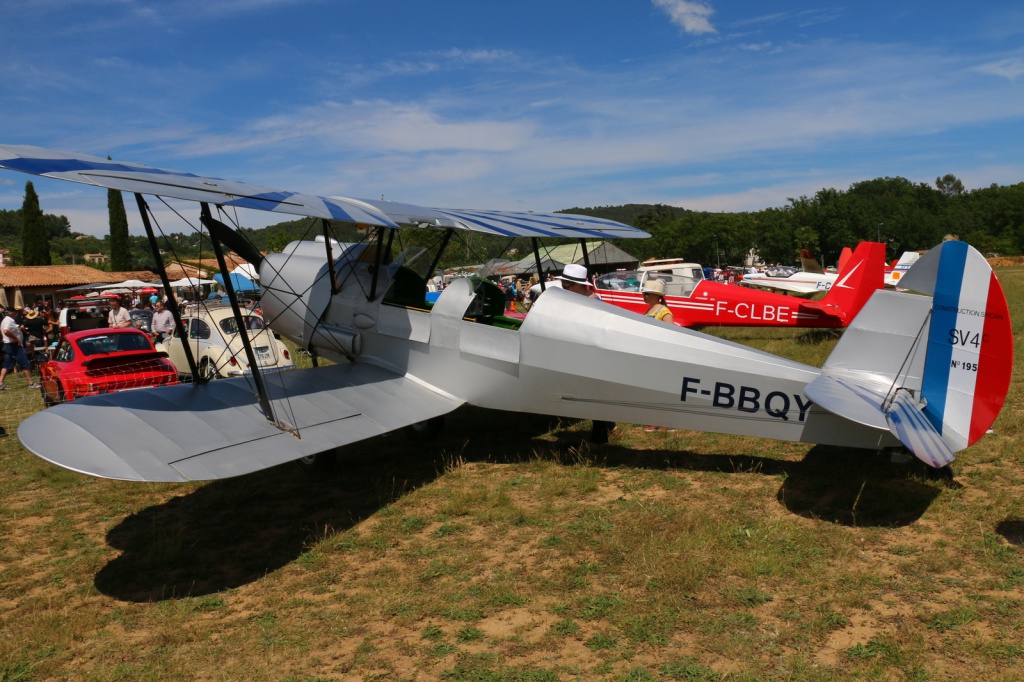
(162, 325)
(14, 350)
(654, 297)
(574, 278)
(510, 297)
(118, 316)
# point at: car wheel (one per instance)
(47, 402)
(61, 398)
(207, 371)
(320, 463)
(428, 429)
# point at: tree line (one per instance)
(905, 216)
(902, 214)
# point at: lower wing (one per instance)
(216, 430)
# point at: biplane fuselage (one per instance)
(572, 356)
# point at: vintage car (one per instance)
(212, 334)
(141, 319)
(94, 361)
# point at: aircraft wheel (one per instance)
(428, 429)
(944, 474)
(320, 463)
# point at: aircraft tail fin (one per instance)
(900, 268)
(809, 264)
(861, 275)
(844, 258)
(936, 367)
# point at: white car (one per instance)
(212, 335)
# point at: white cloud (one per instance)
(758, 47)
(1006, 68)
(690, 16)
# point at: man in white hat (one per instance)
(14, 351)
(574, 278)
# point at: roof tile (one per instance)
(65, 275)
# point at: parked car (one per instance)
(212, 334)
(95, 361)
(82, 313)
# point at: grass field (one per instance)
(510, 550)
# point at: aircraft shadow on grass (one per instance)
(232, 532)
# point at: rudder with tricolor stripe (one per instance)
(970, 342)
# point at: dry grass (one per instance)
(510, 550)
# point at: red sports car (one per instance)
(95, 361)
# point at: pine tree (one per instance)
(120, 245)
(35, 245)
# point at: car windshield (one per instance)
(620, 281)
(113, 343)
(252, 323)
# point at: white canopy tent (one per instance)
(247, 270)
(130, 284)
(192, 282)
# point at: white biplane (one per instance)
(811, 280)
(929, 372)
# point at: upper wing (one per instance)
(216, 430)
(134, 177)
(506, 223)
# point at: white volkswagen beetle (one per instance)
(212, 334)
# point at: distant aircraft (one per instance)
(900, 268)
(697, 302)
(928, 371)
(811, 280)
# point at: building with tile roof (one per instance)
(31, 282)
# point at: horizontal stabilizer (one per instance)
(216, 430)
(856, 402)
(867, 404)
(910, 425)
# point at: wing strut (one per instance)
(335, 287)
(379, 260)
(216, 228)
(540, 271)
(440, 252)
(172, 301)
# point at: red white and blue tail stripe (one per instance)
(940, 402)
(970, 342)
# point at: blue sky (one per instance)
(527, 105)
